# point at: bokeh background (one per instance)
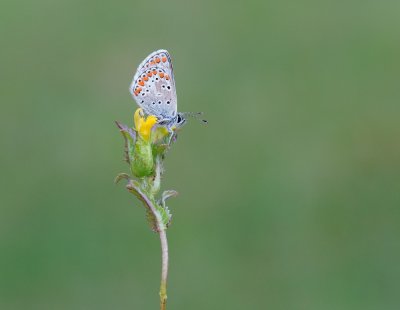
(289, 198)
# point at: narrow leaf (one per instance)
(121, 176)
(166, 195)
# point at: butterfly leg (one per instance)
(172, 136)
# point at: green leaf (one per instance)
(165, 215)
(134, 187)
(155, 213)
(151, 219)
(166, 195)
(121, 176)
(163, 209)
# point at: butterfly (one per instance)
(153, 88)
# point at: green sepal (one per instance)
(130, 139)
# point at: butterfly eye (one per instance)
(180, 120)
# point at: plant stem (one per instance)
(164, 269)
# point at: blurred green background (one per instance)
(289, 198)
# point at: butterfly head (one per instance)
(180, 120)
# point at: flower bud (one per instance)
(144, 143)
(142, 164)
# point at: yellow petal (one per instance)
(138, 118)
(146, 127)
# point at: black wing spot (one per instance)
(168, 102)
(159, 102)
(168, 87)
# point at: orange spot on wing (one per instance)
(157, 60)
(152, 63)
(167, 77)
(154, 72)
(164, 59)
(161, 74)
(141, 83)
(145, 78)
(149, 74)
(139, 90)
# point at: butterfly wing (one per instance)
(153, 86)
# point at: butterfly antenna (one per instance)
(196, 115)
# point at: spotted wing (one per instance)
(153, 86)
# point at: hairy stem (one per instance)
(164, 269)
